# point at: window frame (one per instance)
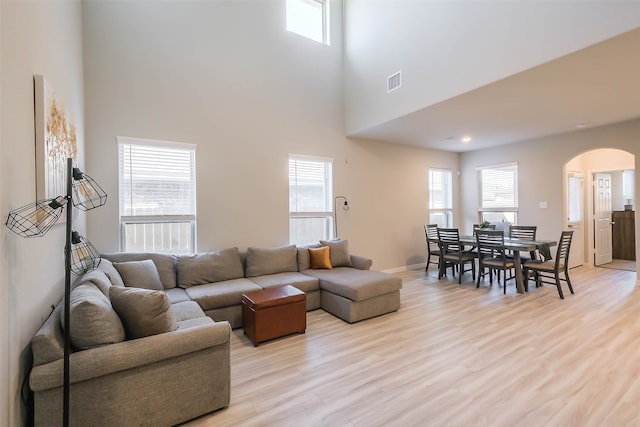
(447, 202)
(164, 220)
(325, 24)
(505, 209)
(327, 215)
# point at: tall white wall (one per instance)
(37, 38)
(228, 77)
(446, 48)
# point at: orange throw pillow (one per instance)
(319, 258)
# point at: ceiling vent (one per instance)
(394, 81)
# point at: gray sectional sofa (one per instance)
(129, 370)
(217, 280)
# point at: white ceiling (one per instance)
(595, 86)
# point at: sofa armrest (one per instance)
(361, 263)
(96, 362)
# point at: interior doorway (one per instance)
(599, 188)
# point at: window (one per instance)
(310, 199)
(628, 186)
(157, 196)
(309, 18)
(499, 193)
(440, 197)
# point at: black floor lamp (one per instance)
(37, 218)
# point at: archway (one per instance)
(595, 236)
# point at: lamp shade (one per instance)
(87, 194)
(84, 256)
(35, 219)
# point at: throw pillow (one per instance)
(139, 274)
(261, 261)
(319, 258)
(93, 322)
(144, 312)
(209, 267)
(339, 252)
(107, 267)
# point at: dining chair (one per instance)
(524, 232)
(493, 257)
(452, 253)
(552, 271)
(431, 234)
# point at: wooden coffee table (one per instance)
(273, 312)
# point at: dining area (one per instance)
(512, 254)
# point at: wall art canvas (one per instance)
(56, 140)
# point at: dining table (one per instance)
(516, 246)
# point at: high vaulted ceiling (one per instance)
(592, 87)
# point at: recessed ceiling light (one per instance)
(466, 139)
(582, 125)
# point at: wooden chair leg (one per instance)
(559, 287)
(566, 276)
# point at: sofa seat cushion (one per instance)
(354, 284)
(187, 310)
(221, 294)
(177, 295)
(301, 281)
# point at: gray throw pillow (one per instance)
(107, 267)
(261, 261)
(139, 274)
(143, 312)
(209, 267)
(339, 252)
(92, 320)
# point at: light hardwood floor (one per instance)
(453, 355)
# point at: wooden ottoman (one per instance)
(273, 312)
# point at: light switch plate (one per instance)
(543, 205)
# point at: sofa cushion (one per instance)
(356, 285)
(98, 278)
(186, 310)
(110, 271)
(221, 294)
(339, 252)
(93, 321)
(261, 261)
(177, 295)
(303, 256)
(320, 258)
(144, 312)
(139, 274)
(301, 281)
(164, 262)
(209, 267)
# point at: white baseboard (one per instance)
(420, 266)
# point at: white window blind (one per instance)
(499, 187)
(440, 197)
(158, 190)
(499, 193)
(310, 199)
